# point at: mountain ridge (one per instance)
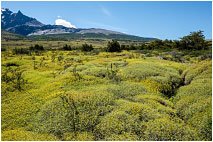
(21, 24)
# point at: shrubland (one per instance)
(76, 94)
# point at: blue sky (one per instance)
(163, 20)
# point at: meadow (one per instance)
(135, 95)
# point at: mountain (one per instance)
(21, 24)
(10, 19)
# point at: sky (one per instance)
(163, 20)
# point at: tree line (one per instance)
(193, 41)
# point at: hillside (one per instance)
(75, 36)
(5, 35)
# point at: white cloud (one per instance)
(106, 11)
(59, 16)
(64, 23)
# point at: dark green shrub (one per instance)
(66, 47)
(86, 47)
(20, 51)
(3, 49)
(36, 47)
(195, 40)
(113, 46)
(142, 46)
(132, 47)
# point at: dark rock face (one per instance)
(10, 19)
(24, 25)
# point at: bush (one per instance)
(164, 129)
(54, 118)
(158, 78)
(194, 101)
(72, 113)
(92, 69)
(36, 47)
(159, 106)
(115, 123)
(66, 47)
(86, 47)
(13, 77)
(79, 136)
(113, 46)
(123, 137)
(141, 111)
(22, 135)
(20, 51)
(205, 128)
(202, 69)
(126, 90)
(3, 49)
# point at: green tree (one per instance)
(195, 40)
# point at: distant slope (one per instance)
(21, 24)
(73, 36)
(5, 35)
(98, 31)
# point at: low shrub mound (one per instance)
(22, 135)
(162, 78)
(72, 113)
(143, 112)
(126, 90)
(164, 129)
(202, 70)
(162, 106)
(78, 136)
(115, 123)
(194, 101)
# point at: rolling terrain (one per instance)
(69, 84)
(53, 94)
